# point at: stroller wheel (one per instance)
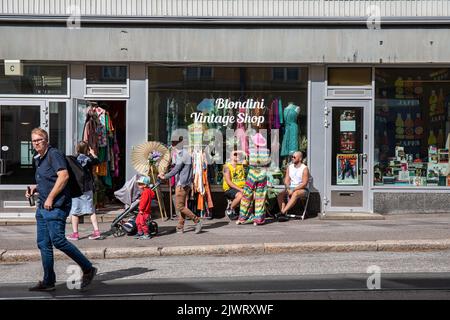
(118, 232)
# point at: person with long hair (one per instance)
(84, 204)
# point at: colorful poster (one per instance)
(347, 142)
(347, 169)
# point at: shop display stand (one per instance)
(162, 208)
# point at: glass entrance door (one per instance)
(347, 156)
(17, 119)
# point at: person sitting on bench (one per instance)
(296, 183)
(233, 183)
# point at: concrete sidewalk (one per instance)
(411, 232)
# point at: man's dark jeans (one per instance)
(51, 229)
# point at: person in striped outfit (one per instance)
(256, 184)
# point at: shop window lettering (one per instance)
(213, 140)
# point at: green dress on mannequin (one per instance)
(290, 139)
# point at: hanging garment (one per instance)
(90, 129)
(290, 139)
(101, 129)
(276, 114)
(280, 111)
(240, 133)
(116, 156)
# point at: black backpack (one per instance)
(76, 176)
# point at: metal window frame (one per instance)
(46, 96)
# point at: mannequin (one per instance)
(290, 139)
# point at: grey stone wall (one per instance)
(408, 202)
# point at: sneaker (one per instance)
(229, 213)
(180, 230)
(138, 235)
(87, 277)
(74, 236)
(42, 287)
(145, 237)
(95, 235)
(198, 227)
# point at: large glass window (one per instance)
(106, 74)
(36, 80)
(180, 96)
(57, 119)
(16, 150)
(412, 126)
(351, 76)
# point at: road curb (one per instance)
(10, 256)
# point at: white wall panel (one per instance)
(229, 8)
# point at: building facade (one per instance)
(371, 80)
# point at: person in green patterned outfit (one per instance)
(256, 183)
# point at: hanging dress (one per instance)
(290, 139)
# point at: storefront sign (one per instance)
(13, 68)
(242, 117)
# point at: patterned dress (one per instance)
(255, 187)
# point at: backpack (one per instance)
(76, 176)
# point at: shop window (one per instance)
(16, 152)
(106, 74)
(174, 103)
(57, 130)
(349, 76)
(36, 80)
(198, 73)
(412, 127)
(285, 74)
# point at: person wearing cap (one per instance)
(145, 203)
(183, 170)
(256, 184)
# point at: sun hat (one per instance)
(259, 140)
(144, 180)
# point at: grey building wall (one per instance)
(136, 114)
(411, 202)
(232, 44)
(316, 135)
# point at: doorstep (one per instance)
(350, 216)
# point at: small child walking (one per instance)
(145, 202)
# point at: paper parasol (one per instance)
(141, 153)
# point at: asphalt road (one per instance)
(285, 276)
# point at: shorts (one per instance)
(84, 204)
(231, 193)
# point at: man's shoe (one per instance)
(42, 287)
(198, 227)
(145, 237)
(180, 230)
(87, 277)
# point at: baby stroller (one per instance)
(125, 223)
